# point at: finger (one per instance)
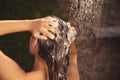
(50, 24)
(46, 18)
(38, 36)
(74, 31)
(53, 24)
(42, 37)
(47, 33)
(73, 39)
(49, 18)
(51, 29)
(35, 43)
(48, 27)
(68, 23)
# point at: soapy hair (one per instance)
(56, 52)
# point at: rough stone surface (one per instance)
(98, 59)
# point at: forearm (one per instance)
(73, 55)
(11, 26)
(73, 72)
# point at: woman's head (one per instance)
(56, 52)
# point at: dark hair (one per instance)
(56, 52)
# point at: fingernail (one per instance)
(45, 38)
(54, 20)
(52, 37)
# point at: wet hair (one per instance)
(56, 52)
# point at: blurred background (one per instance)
(98, 59)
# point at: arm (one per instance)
(73, 72)
(7, 65)
(10, 70)
(35, 26)
(11, 26)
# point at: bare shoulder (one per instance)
(36, 75)
(1, 52)
(9, 66)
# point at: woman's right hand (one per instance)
(44, 28)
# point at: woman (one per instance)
(41, 29)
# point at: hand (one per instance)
(44, 28)
(72, 30)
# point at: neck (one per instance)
(41, 65)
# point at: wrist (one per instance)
(30, 25)
(34, 24)
(27, 25)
